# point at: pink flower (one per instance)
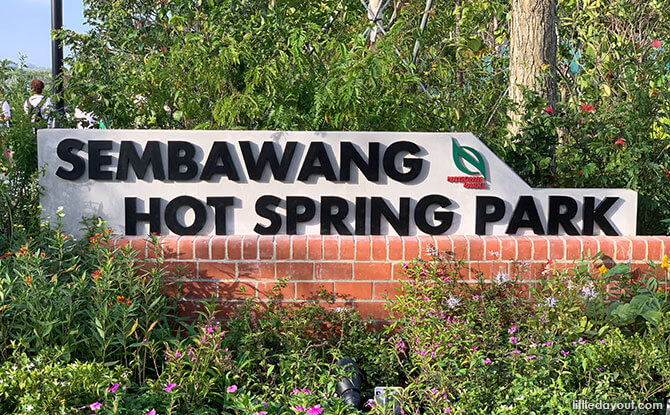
(300, 408)
(169, 387)
(113, 388)
(513, 340)
(152, 412)
(549, 110)
(564, 353)
(619, 142)
(231, 388)
(297, 391)
(261, 413)
(656, 44)
(314, 410)
(512, 330)
(487, 361)
(95, 406)
(177, 354)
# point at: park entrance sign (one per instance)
(298, 182)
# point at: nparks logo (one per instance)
(469, 161)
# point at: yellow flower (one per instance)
(664, 263)
(602, 269)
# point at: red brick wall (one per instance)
(355, 272)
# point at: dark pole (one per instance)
(57, 58)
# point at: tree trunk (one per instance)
(532, 62)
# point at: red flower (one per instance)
(667, 174)
(656, 44)
(549, 110)
(620, 142)
(587, 108)
(609, 75)
(654, 93)
(581, 173)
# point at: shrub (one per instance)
(485, 347)
(94, 303)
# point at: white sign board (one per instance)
(299, 182)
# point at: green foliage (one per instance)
(267, 65)
(94, 303)
(50, 383)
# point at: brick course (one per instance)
(355, 272)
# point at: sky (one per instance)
(25, 28)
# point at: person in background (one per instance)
(37, 106)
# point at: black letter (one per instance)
(556, 218)
(525, 206)
(171, 215)
(220, 152)
(348, 153)
(598, 215)
(151, 155)
(64, 151)
(267, 155)
(176, 160)
(153, 217)
(336, 219)
(444, 218)
(379, 208)
(96, 161)
(263, 210)
(317, 152)
(220, 204)
(292, 216)
(361, 213)
(482, 216)
(414, 165)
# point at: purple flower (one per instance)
(602, 341)
(516, 351)
(95, 406)
(169, 387)
(231, 388)
(511, 330)
(113, 388)
(530, 357)
(314, 410)
(513, 340)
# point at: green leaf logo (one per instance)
(469, 155)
